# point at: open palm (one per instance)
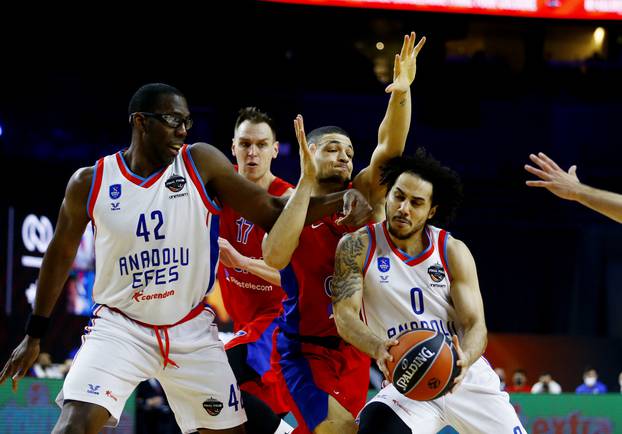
(405, 66)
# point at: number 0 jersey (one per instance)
(402, 292)
(155, 239)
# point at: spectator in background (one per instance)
(620, 381)
(501, 373)
(546, 384)
(591, 385)
(567, 186)
(44, 368)
(519, 382)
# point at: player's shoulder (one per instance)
(355, 243)
(80, 184)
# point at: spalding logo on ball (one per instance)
(424, 364)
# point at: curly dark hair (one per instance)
(446, 184)
(255, 116)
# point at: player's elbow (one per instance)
(273, 257)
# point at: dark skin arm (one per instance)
(251, 201)
(72, 221)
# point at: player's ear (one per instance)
(233, 146)
(313, 148)
(432, 212)
(275, 150)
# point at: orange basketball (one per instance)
(424, 364)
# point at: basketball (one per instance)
(424, 364)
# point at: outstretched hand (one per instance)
(405, 65)
(308, 167)
(356, 209)
(229, 256)
(552, 177)
(20, 361)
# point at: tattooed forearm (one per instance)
(348, 277)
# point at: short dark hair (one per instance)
(147, 98)
(316, 134)
(255, 116)
(447, 188)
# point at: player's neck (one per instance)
(324, 188)
(265, 181)
(413, 245)
(139, 163)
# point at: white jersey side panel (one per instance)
(155, 240)
(407, 293)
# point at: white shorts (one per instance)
(118, 353)
(477, 406)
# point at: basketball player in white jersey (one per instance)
(154, 207)
(403, 274)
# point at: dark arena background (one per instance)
(493, 85)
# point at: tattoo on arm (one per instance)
(348, 277)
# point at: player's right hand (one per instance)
(308, 167)
(20, 361)
(356, 209)
(382, 355)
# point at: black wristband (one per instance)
(36, 326)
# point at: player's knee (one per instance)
(378, 417)
(335, 427)
(80, 417)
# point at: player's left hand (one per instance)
(462, 362)
(356, 209)
(230, 257)
(405, 65)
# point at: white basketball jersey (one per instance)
(402, 292)
(155, 239)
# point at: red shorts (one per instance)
(308, 373)
(257, 336)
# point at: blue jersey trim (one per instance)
(196, 172)
(128, 169)
(214, 250)
(88, 200)
(367, 256)
(290, 319)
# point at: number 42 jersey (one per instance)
(155, 239)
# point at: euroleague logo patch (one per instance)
(213, 406)
(175, 183)
(436, 272)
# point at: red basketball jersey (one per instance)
(308, 278)
(245, 295)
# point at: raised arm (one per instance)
(347, 298)
(57, 261)
(281, 242)
(394, 128)
(468, 303)
(567, 186)
(250, 200)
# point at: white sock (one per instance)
(284, 428)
